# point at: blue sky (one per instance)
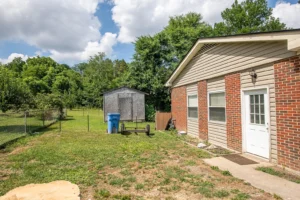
(72, 34)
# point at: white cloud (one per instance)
(136, 18)
(13, 56)
(67, 29)
(288, 13)
(63, 25)
(104, 45)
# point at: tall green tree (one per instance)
(97, 78)
(248, 17)
(14, 94)
(16, 65)
(157, 56)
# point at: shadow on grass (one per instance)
(17, 128)
(127, 133)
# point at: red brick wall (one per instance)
(179, 107)
(287, 93)
(202, 110)
(233, 111)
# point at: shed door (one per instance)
(257, 122)
(125, 107)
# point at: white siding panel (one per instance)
(231, 57)
(192, 124)
(192, 89)
(193, 127)
(265, 77)
(216, 84)
(217, 133)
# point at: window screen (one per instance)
(217, 107)
(193, 106)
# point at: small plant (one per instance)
(281, 174)
(103, 193)
(139, 186)
(116, 181)
(206, 189)
(190, 163)
(226, 173)
(216, 168)
(277, 197)
(221, 194)
(241, 196)
(126, 172)
(131, 179)
(122, 197)
(234, 191)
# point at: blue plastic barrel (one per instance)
(113, 122)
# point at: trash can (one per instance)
(113, 122)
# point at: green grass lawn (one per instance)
(117, 166)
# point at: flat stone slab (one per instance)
(57, 190)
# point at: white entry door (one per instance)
(257, 133)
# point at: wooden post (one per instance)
(25, 121)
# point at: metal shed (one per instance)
(130, 103)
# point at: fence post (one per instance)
(43, 118)
(88, 119)
(83, 112)
(60, 125)
(25, 121)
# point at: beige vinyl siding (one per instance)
(265, 77)
(192, 124)
(231, 57)
(217, 132)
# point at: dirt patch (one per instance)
(174, 179)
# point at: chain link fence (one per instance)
(17, 124)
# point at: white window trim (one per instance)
(208, 112)
(187, 106)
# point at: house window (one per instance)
(217, 107)
(193, 106)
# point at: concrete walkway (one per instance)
(286, 189)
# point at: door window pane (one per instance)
(256, 99)
(262, 109)
(257, 119)
(257, 109)
(262, 100)
(251, 108)
(262, 119)
(252, 118)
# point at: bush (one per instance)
(150, 113)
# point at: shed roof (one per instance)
(124, 87)
(291, 36)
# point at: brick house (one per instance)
(242, 92)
